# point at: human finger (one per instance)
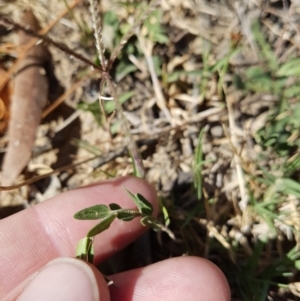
(63, 279)
(175, 279)
(33, 237)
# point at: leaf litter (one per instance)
(29, 97)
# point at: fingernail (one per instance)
(63, 279)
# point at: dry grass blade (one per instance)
(239, 170)
(147, 47)
(30, 95)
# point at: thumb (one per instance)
(65, 279)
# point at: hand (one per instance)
(37, 246)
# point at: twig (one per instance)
(60, 99)
(69, 120)
(103, 160)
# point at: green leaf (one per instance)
(103, 225)
(155, 30)
(288, 186)
(94, 108)
(85, 249)
(123, 69)
(111, 18)
(81, 143)
(266, 51)
(291, 91)
(258, 80)
(165, 214)
(297, 265)
(143, 205)
(110, 105)
(290, 68)
(91, 213)
(197, 166)
(161, 38)
(146, 206)
(114, 206)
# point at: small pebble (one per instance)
(217, 131)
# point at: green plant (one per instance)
(107, 214)
(109, 106)
(197, 166)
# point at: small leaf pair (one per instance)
(107, 214)
(143, 205)
(102, 212)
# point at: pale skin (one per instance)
(34, 237)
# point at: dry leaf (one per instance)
(5, 95)
(30, 94)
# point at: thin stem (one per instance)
(49, 41)
(103, 160)
(101, 98)
(129, 211)
(133, 150)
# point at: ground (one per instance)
(210, 90)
